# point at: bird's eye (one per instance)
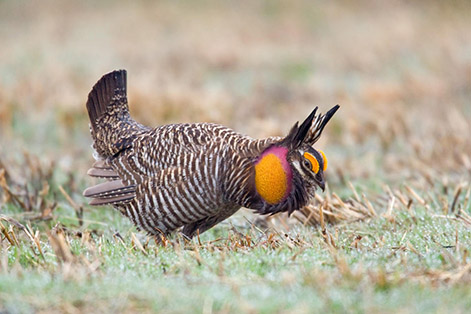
(307, 164)
(314, 164)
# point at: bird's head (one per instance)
(288, 172)
(310, 164)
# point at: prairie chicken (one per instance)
(195, 175)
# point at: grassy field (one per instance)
(392, 233)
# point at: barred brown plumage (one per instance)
(195, 175)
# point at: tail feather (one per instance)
(102, 173)
(108, 93)
(112, 192)
(101, 169)
(112, 127)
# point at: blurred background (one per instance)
(400, 70)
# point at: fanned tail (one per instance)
(113, 131)
(112, 127)
(108, 95)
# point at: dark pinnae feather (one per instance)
(297, 134)
(318, 126)
(304, 128)
(327, 117)
(292, 133)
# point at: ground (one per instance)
(390, 234)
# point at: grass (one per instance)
(390, 234)
(299, 272)
(412, 257)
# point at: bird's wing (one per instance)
(145, 168)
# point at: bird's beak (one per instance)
(322, 185)
(320, 180)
